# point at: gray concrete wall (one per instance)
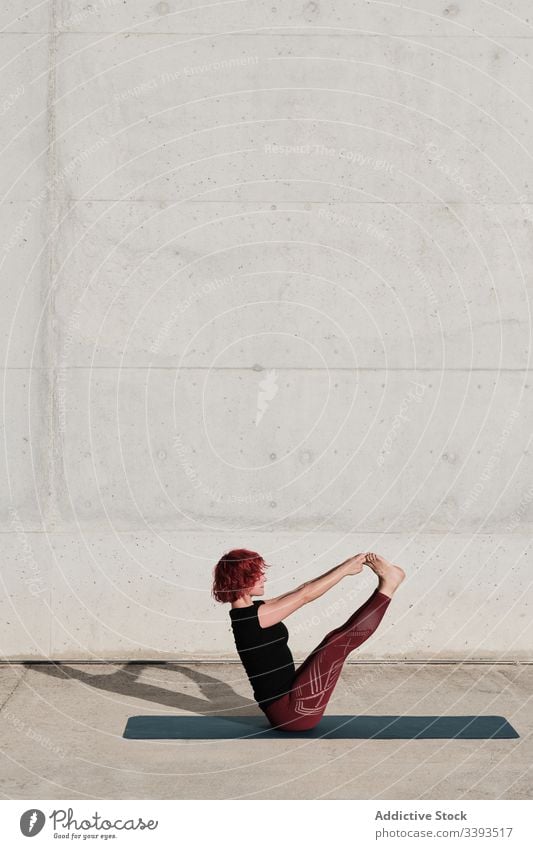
(265, 283)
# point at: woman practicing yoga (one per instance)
(295, 699)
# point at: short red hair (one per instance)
(236, 572)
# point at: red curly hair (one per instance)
(236, 572)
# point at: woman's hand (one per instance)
(355, 564)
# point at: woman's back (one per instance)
(264, 652)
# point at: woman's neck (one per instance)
(243, 601)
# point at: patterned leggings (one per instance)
(314, 681)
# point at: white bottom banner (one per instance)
(203, 823)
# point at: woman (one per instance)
(295, 699)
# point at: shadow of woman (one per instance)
(220, 698)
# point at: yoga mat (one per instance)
(330, 727)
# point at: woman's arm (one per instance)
(274, 610)
(318, 586)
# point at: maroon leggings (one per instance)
(314, 681)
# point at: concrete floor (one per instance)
(61, 735)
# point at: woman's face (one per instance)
(259, 586)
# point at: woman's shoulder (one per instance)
(247, 612)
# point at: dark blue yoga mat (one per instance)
(330, 727)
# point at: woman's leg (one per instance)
(314, 681)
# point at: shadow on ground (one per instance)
(219, 696)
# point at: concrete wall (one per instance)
(265, 282)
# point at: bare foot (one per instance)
(390, 576)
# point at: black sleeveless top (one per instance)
(264, 652)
